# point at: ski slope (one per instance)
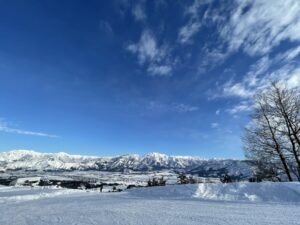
(275, 203)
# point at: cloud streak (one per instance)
(257, 27)
(173, 107)
(4, 127)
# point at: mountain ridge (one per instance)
(32, 160)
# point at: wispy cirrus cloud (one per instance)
(260, 75)
(192, 27)
(5, 127)
(172, 107)
(256, 80)
(251, 81)
(241, 107)
(146, 48)
(257, 27)
(188, 31)
(156, 57)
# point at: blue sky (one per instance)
(118, 77)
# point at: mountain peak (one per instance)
(156, 155)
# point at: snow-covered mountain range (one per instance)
(31, 160)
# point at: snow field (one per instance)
(209, 204)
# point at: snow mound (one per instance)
(254, 192)
(17, 194)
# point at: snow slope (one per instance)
(31, 160)
(149, 206)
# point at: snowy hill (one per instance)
(31, 160)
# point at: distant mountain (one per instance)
(35, 161)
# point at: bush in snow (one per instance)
(226, 179)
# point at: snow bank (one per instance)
(254, 192)
(262, 192)
(13, 194)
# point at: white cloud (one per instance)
(288, 74)
(214, 125)
(187, 31)
(251, 81)
(294, 80)
(183, 108)
(259, 76)
(4, 127)
(146, 48)
(258, 26)
(173, 107)
(218, 112)
(257, 79)
(149, 52)
(241, 107)
(193, 9)
(138, 12)
(192, 27)
(236, 89)
(289, 55)
(159, 69)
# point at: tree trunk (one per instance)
(277, 146)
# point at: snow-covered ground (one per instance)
(238, 203)
(117, 178)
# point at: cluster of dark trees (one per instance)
(272, 139)
(184, 179)
(156, 182)
(71, 184)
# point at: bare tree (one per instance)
(285, 105)
(272, 142)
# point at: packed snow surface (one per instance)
(274, 203)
